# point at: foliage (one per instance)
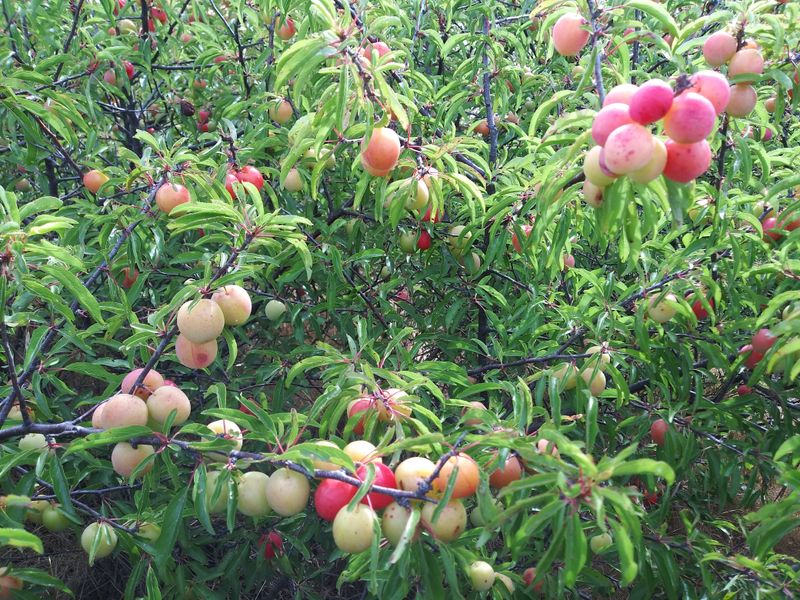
(470, 319)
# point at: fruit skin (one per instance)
(107, 539)
(482, 128)
(658, 431)
(608, 119)
(467, 479)
(94, 179)
(510, 472)
(54, 519)
(122, 410)
(275, 309)
(655, 165)
(595, 173)
(650, 102)
(685, 162)
(125, 458)
(743, 390)
(526, 229)
(393, 522)
(170, 195)
(424, 240)
(743, 100)
(293, 181)
(211, 485)
(151, 382)
(410, 473)
(331, 496)
(600, 542)
(281, 112)
(747, 61)
(753, 358)
(482, 575)
(252, 494)
(361, 450)
(569, 34)
(33, 441)
(250, 174)
(719, 48)
(451, 523)
(662, 310)
(149, 531)
(384, 478)
(353, 529)
(235, 303)
(528, 576)
(287, 492)
(380, 153)
(714, 87)
(622, 93)
(407, 242)
(195, 356)
(273, 545)
(567, 374)
(458, 239)
(228, 430)
(287, 29)
(166, 399)
(763, 340)
(592, 194)
(628, 148)
(691, 118)
(595, 380)
(201, 321)
(129, 277)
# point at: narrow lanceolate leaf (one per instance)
(76, 289)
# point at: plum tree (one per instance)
(94, 180)
(98, 540)
(170, 195)
(201, 321)
(570, 34)
(251, 494)
(151, 382)
(164, 400)
(287, 492)
(121, 410)
(467, 477)
(719, 48)
(126, 459)
(379, 153)
(450, 522)
(235, 303)
(195, 356)
(353, 529)
(481, 575)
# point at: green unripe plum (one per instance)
(128, 27)
(451, 523)
(275, 309)
(407, 242)
(293, 181)
(35, 510)
(594, 173)
(567, 374)
(228, 430)
(287, 492)
(600, 542)
(482, 575)
(54, 520)
(595, 380)
(33, 441)
(221, 503)
(201, 321)
(353, 529)
(149, 531)
(252, 494)
(458, 239)
(664, 309)
(101, 534)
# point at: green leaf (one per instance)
(75, 287)
(19, 538)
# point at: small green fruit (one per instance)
(600, 542)
(275, 310)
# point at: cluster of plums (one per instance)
(745, 64)
(592, 371)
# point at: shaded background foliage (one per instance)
(706, 514)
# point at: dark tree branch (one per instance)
(75, 19)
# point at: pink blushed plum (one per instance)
(691, 118)
(719, 48)
(655, 167)
(621, 94)
(651, 102)
(608, 119)
(570, 34)
(628, 148)
(714, 87)
(685, 162)
(742, 101)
